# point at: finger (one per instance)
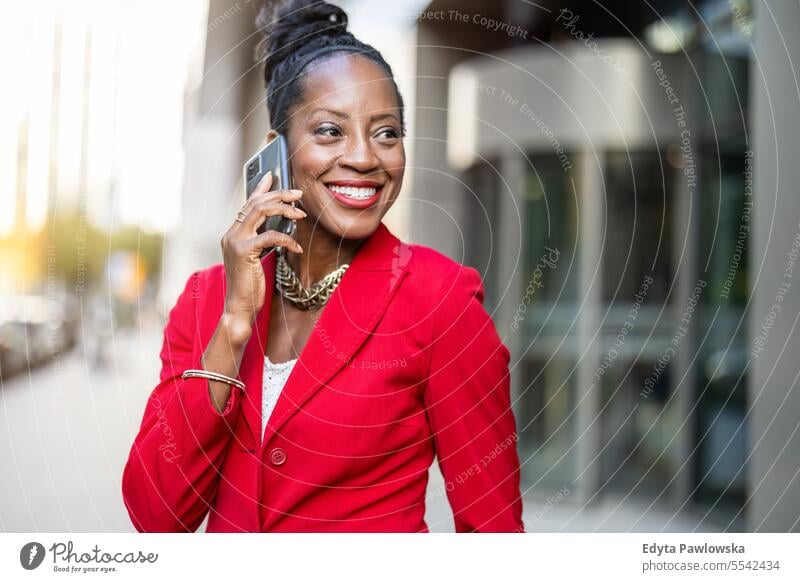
(284, 195)
(257, 214)
(273, 238)
(264, 184)
(238, 221)
(260, 190)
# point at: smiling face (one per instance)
(345, 146)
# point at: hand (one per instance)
(242, 245)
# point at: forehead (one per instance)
(349, 83)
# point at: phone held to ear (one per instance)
(272, 156)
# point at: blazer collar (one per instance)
(352, 312)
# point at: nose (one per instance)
(359, 155)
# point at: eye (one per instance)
(388, 133)
(328, 131)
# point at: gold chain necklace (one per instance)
(288, 285)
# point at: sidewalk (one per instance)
(66, 431)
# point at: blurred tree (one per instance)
(74, 252)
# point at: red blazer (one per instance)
(404, 362)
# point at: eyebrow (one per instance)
(342, 115)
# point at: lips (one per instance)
(357, 194)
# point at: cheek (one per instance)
(308, 162)
(396, 161)
(395, 165)
(315, 199)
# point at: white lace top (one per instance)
(275, 376)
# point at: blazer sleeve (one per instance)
(467, 399)
(173, 468)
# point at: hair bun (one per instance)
(288, 25)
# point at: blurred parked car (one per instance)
(33, 329)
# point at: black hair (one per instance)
(292, 30)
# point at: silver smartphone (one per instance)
(272, 156)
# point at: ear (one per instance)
(271, 134)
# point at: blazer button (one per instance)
(277, 456)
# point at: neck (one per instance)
(322, 253)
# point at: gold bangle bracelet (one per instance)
(213, 376)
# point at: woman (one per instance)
(344, 361)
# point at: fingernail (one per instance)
(297, 191)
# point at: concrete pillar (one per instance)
(214, 138)
(774, 390)
(438, 211)
(591, 218)
(683, 385)
(510, 262)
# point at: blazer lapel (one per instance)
(352, 312)
(251, 369)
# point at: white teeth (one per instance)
(357, 193)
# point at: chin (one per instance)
(351, 224)
(352, 228)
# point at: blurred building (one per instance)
(597, 164)
(91, 153)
